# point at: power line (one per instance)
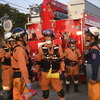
(16, 5)
(28, 1)
(22, 10)
(13, 4)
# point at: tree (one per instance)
(19, 19)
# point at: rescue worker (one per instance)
(93, 65)
(95, 61)
(7, 71)
(73, 58)
(50, 56)
(30, 60)
(19, 59)
(91, 35)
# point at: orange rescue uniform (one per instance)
(7, 71)
(19, 60)
(73, 55)
(43, 81)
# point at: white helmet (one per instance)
(94, 31)
(7, 36)
(99, 37)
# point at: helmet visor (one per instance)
(73, 41)
(46, 33)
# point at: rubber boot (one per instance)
(5, 95)
(45, 99)
(76, 88)
(1, 95)
(61, 98)
(67, 88)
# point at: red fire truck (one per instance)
(67, 21)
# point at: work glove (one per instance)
(28, 85)
(62, 76)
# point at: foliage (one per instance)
(18, 19)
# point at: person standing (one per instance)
(92, 68)
(49, 60)
(7, 71)
(73, 58)
(19, 59)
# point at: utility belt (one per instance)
(6, 68)
(72, 64)
(16, 69)
(53, 60)
(47, 70)
(5, 64)
(45, 64)
(17, 73)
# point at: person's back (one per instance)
(19, 59)
(7, 71)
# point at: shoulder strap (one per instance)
(5, 48)
(15, 47)
(13, 50)
(98, 47)
(76, 52)
(95, 47)
(45, 49)
(19, 46)
(56, 49)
